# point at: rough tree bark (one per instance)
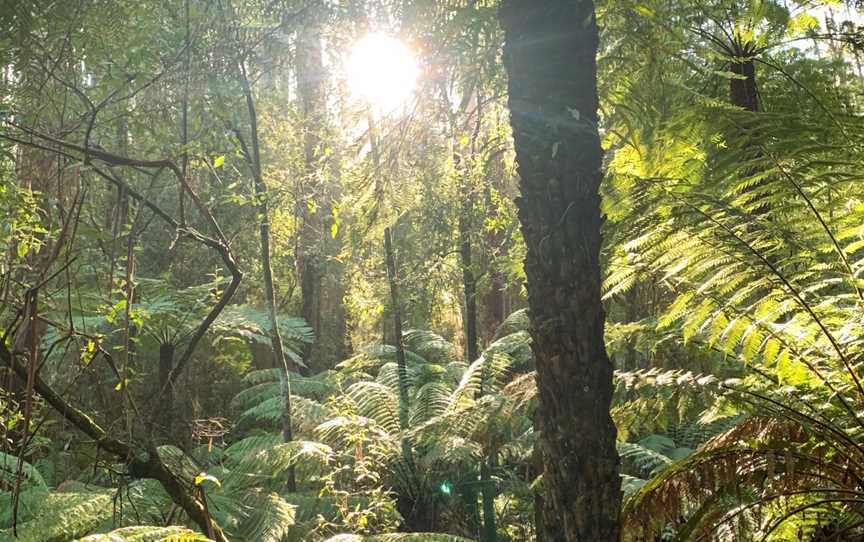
(550, 55)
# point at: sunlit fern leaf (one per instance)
(63, 516)
(756, 464)
(485, 373)
(428, 345)
(255, 394)
(388, 375)
(254, 325)
(269, 517)
(178, 462)
(319, 386)
(378, 402)
(141, 502)
(651, 401)
(399, 537)
(305, 413)
(372, 357)
(270, 462)
(429, 401)
(450, 450)
(517, 346)
(339, 432)
(147, 534)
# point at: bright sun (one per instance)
(382, 71)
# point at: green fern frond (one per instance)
(147, 534)
(61, 517)
(269, 517)
(428, 345)
(399, 537)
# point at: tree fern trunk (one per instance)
(743, 92)
(550, 54)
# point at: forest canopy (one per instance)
(428, 271)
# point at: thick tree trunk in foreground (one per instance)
(550, 54)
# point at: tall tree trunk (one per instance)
(393, 279)
(469, 285)
(472, 349)
(550, 52)
(320, 274)
(472, 352)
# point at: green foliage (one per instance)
(398, 537)
(58, 517)
(733, 259)
(147, 534)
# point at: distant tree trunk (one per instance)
(472, 352)
(165, 408)
(472, 349)
(469, 286)
(549, 53)
(493, 298)
(393, 279)
(537, 470)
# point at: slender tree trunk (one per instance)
(165, 407)
(550, 53)
(280, 360)
(469, 285)
(744, 93)
(393, 279)
(472, 350)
